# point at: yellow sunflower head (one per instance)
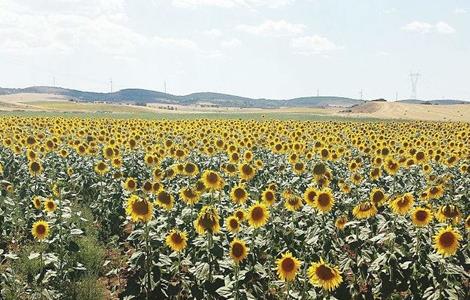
(49, 205)
(446, 241)
(140, 210)
(189, 195)
(324, 201)
(269, 197)
(293, 203)
(287, 267)
(401, 205)
(207, 221)
(364, 210)
(37, 202)
(377, 196)
(246, 171)
(310, 195)
(324, 276)
(176, 240)
(238, 250)
(258, 215)
(238, 194)
(233, 224)
(421, 216)
(35, 168)
(341, 222)
(165, 200)
(212, 180)
(40, 230)
(130, 184)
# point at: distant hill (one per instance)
(142, 96)
(435, 102)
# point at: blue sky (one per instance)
(256, 48)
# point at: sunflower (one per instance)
(391, 166)
(189, 195)
(375, 173)
(101, 168)
(446, 241)
(258, 215)
(287, 267)
(165, 200)
(356, 178)
(421, 216)
(37, 202)
(233, 224)
(309, 195)
(130, 184)
(140, 210)
(377, 196)
(176, 240)
(467, 223)
(448, 213)
(240, 214)
(40, 230)
(341, 222)
(364, 210)
(147, 187)
(238, 194)
(293, 203)
(435, 192)
(269, 197)
(246, 171)
(207, 221)
(190, 169)
(49, 205)
(319, 169)
(212, 180)
(324, 276)
(403, 204)
(324, 201)
(35, 168)
(238, 250)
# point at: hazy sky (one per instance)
(255, 48)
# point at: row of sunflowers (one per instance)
(231, 209)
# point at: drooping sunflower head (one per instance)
(233, 224)
(176, 240)
(238, 250)
(293, 203)
(238, 194)
(364, 210)
(287, 267)
(258, 215)
(212, 180)
(401, 205)
(319, 169)
(446, 241)
(207, 221)
(449, 213)
(269, 197)
(421, 216)
(40, 230)
(140, 210)
(435, 192)
(165, 200)
(49, 205)
(324, 201)
(325, 276)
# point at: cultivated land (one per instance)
(37, 103)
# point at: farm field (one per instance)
(239, 208)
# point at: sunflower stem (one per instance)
(149, 261)
(287, 290)
(237, 269)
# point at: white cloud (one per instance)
(273, 28)
(314, 44)
(424, 27)
(213, 33)
(460, 11)
(231, 3)
(231, 43)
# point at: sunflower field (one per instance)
(231, 209)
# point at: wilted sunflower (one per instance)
(293, 203)
(37, 201)
(287, 267)
(49, 205)
(364, 210)
(35, 168)
(341, 222)
(421, 216)
(309, 196)
(212, 180)
(165, 200)
(258, 215)
(140, 210)
(446, 241)
(448, 213)
(324, 276)
(130, 184)
(207, 221)
(403, 204)
(238, 194)
(233, 224)
(176, 240)
(238, 250)
(324, 201)
(377, 196)
(269, 197)
(40, 230)
(189, 195)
